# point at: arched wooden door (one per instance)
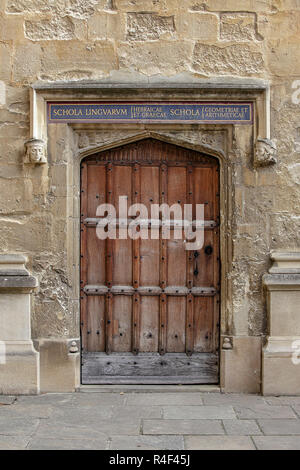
(149, 307)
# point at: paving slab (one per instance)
(13, 442)
(68, 444)
(22, 426)
(232, 399)
(99, 399)
(127, 412)
(243, 427)
(277, 442)
(157, 399)
(18, 410)
(181, 426)
(218, 443)
(56, 399)
(283, 400)
(264, 411)
(82, 414)
(199, 412)
(147, 443)
(296, 408)
(7, 400)
(280, 427)
(51, 429)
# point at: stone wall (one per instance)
(75, 40)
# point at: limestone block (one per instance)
(166, 57)
(27, 62)
(19, 373)
(60, 369)
(77, 8)
(280, 375)
(238, 26)
(106, 25)
(145, 5)
(241, 366)
(11, 28)
(147, 26)
(2, 93)
(197, 26)
(282, 350)
(14, 311)
(281, 25)
(64, 57)
(283, 56)
(233, 5)
(235, 59)
(19, 362)
(16, 195)
(5, 58)
(56, 29)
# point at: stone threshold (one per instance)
(149, 388)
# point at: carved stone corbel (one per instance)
(265, 153)
(35, 152)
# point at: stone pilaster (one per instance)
(19, 362)
(281, 354)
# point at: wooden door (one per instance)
(149, 307)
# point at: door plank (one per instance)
(176, 367)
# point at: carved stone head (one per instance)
(35, 151)
(265, 153)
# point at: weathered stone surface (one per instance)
(264, 411)
(57, 28)
(5, 58)
(106, 25)
(219, 443)
(159, 399)
(146, 443)
(238, 26)
(140, 42)
(77, 8)
(182, 426)
(199, 412)
(244, 427)
(277, 442)
(280, 427)
(145, 26)
(197, 26)
(156, 57)
(27, 62)
(92, 58)
(235, 59)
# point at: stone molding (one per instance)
(14, 277)
(19, 362)
(280, 373)
(135, 87)
(285, 262)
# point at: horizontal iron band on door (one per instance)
(102, 222)
(149, 290)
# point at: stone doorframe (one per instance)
(62, 148)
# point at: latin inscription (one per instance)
(151, 112)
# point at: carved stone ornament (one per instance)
(265, 153)
(35, 152)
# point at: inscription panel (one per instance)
(200, 112)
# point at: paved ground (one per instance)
(164, 419)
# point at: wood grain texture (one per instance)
(150, 296)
